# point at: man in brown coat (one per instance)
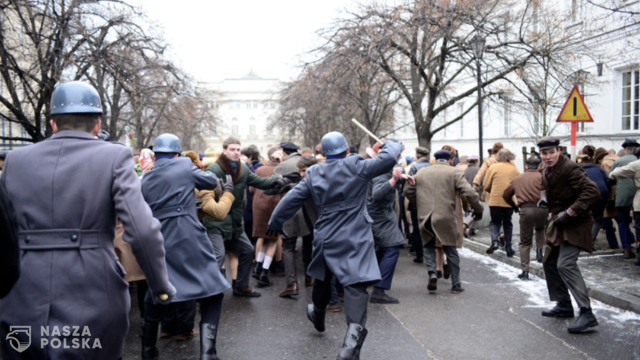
(526, 188)
(570, 196)
(435, 194)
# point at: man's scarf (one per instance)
(225, 164)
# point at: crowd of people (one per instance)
(188, 222)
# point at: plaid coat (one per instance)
(263, 205)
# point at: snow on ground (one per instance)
(536, 289)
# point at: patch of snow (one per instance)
(536, 288)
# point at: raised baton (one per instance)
(367, 131)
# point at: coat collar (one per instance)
(65, 134)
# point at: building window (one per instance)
(213, 131)
(630, 98)
(234, 126)
(255, 104)
(461, 121)
(272, 104)
(252, 126)
(248, 104)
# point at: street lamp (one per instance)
(477, 44)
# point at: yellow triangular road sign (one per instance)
(575, 110)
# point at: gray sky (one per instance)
(216, 39)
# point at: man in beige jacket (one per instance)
(435, 195)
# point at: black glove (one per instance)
(227, 186)
(477, 216)
(170, 294)
(563, 218)
(542, 204)
(279, 183)
(516, 209)
(294, 177)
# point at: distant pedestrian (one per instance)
(625, 192)
(496, 181)
(526, 189)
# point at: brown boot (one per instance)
(290, 290)
(629, 254)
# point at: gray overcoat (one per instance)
(343, 241)
(191, 262)
(296, 226)
(381, 204)
(436, 193)
(68, 191)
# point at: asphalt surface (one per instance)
(497, 317)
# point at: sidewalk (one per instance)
(609, 278)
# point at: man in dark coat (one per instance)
(68, 191)
(570, 195)
(168, 188)
(343, 244)
(294, 227)
(381, 205)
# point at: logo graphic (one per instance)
(17, 339)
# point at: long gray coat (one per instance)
(191, 262)
(435, 194)
(296, 226)
(343, 241)
(67, 192)
(381, 204)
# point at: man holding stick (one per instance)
(343, 244)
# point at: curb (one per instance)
(598, 292)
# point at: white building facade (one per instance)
(243, 108)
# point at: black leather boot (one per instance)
(149, 340)
(257, 270)
(585, 320)
(316, 316)
(563, 309)
(524, 275)
(263, 279)
(353, 341)
(208, 334)
(539, 255)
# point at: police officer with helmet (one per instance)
(67, 192)
(343, 245)
(191, 262)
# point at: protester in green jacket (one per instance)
(229, 233)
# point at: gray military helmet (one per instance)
(334, 143)
(167, 143)
(75, 97)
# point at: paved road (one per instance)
(497, 317)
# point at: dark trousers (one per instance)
(501, 216)
(598, 217)
(624, 220)
(289, 258)
(179, 317)
(415, 236)
(636, 220)
(242, 247)
(563, 275)
(387, 260)
(356, 299)
(610, 231)
(336, 289)
(452, 257)
(248, 229)
(210, 309)
(141, 292)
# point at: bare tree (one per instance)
(423, 46)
